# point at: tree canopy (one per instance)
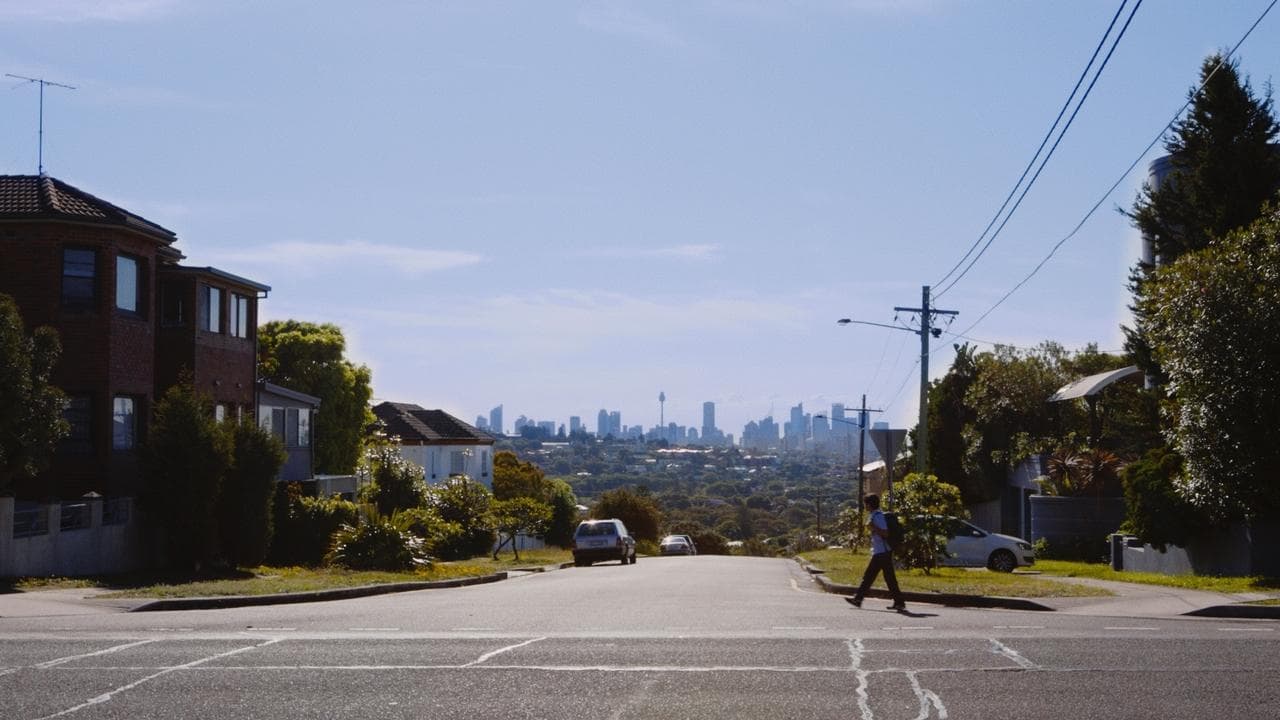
(1212, 317)
(1222, 170)
(311, 358)
(638, 512)
(30, 405)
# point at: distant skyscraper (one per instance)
(615, 424)
(708, 419)
(602, 423)
(575, 425)
(482, 422)
(495, 420)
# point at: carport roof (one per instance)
(1092, 385)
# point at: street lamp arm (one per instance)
(848, 321)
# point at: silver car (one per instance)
(596, 540)
(971, 546)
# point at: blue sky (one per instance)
(568, 206)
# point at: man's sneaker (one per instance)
(900, 607)
(856, 602)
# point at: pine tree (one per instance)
(1223, 169)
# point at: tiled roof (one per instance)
(40, 197)
(411, 423)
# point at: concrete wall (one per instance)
(93, 550)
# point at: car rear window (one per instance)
(596, 529)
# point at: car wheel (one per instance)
(1002, 561)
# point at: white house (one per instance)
(439, 443)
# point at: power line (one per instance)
(1127, 170)
(1031, 163)
(1048, 155)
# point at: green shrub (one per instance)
(394, 484)
(245, 522)
(468, 504)
(305, 525)
(1157, 512)
(438, 534)
(376, 544)
(924, 505)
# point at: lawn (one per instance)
(846, 568)
(1102, 571)
(266, 580)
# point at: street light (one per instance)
(925, 332)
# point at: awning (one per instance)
(1094, 384)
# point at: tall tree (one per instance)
(1223, 169)
(30, 406)
(1213, 316)
(311, 358)
(637, 511)
(245, 519)
(513, 478)
(948, 416)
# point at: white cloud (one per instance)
(316, 258)
(619, 19)
(690, 251)
(72, 11)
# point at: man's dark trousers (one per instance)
(880, 562)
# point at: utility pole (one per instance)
(925, 332)
(862, 439)
(41, 82)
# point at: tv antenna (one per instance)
(42, 83)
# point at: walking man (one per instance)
(881, 557)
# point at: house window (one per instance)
(291, 427)
(304, 428)
(239, 316)
(124, 423)
(220, 412)
(173, 304)
(78, 277)
(78, 412)
(212, 309)
(277, 423)
(127, 283)
(457, 463)
(484, 463)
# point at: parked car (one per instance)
(676, 545)
(693, 549)
(971, 546)
(596, 540)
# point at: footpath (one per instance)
(1128, 600)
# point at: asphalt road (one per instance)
(702, 637)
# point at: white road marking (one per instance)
(477, 629)
(798, 627)
(168, 629)
(1236, 629)
(1000, 648)
(927, 698)
(106, 697)
(374, 629)
(1018, 627)
(272, 629)
(70, 658)
(864, 699)
(907, 627)
(855, 652)
(1130, 628)
(499, 651)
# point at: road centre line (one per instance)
(1122, 627)
(107, 696)
(499, 651)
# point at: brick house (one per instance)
(132, 320)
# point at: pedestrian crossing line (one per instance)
(71, 658)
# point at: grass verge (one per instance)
(846, 568)
(1102, 571)
(267, 580)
